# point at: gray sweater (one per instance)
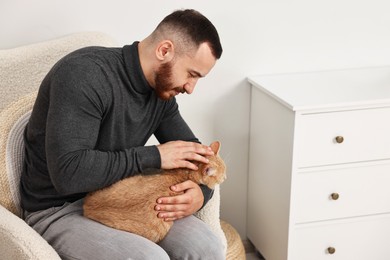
(93, 115)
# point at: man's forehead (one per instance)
(203, 60)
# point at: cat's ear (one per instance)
(215, 147)
(209, 171)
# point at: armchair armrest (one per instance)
(210, 215)
(19, 241)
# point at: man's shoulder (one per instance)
(94, 54)
(89, 60)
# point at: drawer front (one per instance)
(342, 137)
(341, 193)
(357, 239)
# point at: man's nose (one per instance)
(190, 86)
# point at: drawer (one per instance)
(355, 239)
(364, 136)
(340, 193)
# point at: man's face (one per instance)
(182, 74)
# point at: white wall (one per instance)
(258, 36)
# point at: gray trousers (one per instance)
(75, 237)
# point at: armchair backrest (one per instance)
(21, 71)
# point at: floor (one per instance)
(252, 253)
(252, 256)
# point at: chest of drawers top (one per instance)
(328, 90)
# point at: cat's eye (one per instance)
(210, 171)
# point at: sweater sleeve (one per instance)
(173, 127)
(76, 109)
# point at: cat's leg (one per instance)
(191, 238)
(75, 237)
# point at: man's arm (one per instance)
(77, 108)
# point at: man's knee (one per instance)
(209, 247)
(214, 250)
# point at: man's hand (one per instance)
(183, 205)
(178, 154)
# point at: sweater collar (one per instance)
(134, 69)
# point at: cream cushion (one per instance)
(13, 120)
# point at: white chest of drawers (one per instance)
(319, 166)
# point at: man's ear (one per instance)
(165, 51)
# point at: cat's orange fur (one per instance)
(129, 204)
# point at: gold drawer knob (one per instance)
(331, 250)
(339, 139)
(335, 196)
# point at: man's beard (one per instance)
(163, 81)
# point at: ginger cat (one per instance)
(129, 204)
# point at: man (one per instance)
(95, 111)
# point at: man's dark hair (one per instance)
(195, 27)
